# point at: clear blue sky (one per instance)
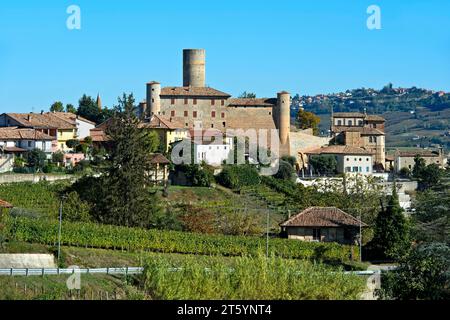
(303, 46)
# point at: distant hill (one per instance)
(414, 117)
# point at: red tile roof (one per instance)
(265, 102)
(193, 92)
(50, 120)
(363, 130)
(340, 149)
(159, 122)
(322, 217)
(159, 158)
(15, 133)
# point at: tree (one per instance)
(58, 157)
(36, 159)
(423, 275)
(419, 167)
(391, 238)
(87, 108)
(57, 107)
(246, 94)
(197, 175)
(285, 171)
(426, 175)
(72, 143)
(308, 120)
(70, 108)
(324, 164)
(127, 197)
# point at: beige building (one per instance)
(362, 131)
(323, 224)
(351, 160)
(196, 105)
(405, 159)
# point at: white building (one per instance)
(211, 146)
(349, 159)
(17, 140)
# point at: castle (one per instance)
(195, 105)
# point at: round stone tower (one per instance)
(284, 118)
(153, 98)
(194, 67)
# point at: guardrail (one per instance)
(59, 271)
(113, 271)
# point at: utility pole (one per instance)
(267, 236)
(60, 225)
(360, 236)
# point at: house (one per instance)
(14, 140)
(349, 159)
(211, 146)
(405, 159)
(361, 130)
(168, 129)
(159, 174)
(323, 224)
(62, 126)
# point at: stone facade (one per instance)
(200, 107)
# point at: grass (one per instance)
(92, 287)
(244, 278)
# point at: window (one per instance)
(222, 115)
(185, 100)
(185, 113)
(355, 169)
(194, 114)
(339, 122)
(213, 114)
(348, 159)
(370, 139)
(374, 125)
(222, 102)
(223, 124)
(172, 101)
(213, 102)
(375, 139)
(172, 113)
(316, 234)
(153, 100)
(350, 123)
(367, 159)
(348, 169)
(360, 159)
(29, 144)
(194, 101)
(212, 125)
(360, 122)
(367, 169)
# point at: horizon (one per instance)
(314, 48)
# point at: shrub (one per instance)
(285, 171)
(238, 176)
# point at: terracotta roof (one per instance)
(269, 102)
(374, 117)
(421, 153)
(13, 149)
(15, 133)
(43, 120)
(193, 91)
(322, 217)
(198, 136)
(72, 117)
(363, 130)
(159, 158)
(98, 135)
(159, 122)
(4, 204)
(340, 149)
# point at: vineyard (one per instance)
(134, 239)
(278, 279)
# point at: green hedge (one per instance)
(114, 237)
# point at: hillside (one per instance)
(414, 117)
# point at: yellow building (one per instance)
(169, 130)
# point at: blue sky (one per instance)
(303, 46)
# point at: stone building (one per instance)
(405, 159)
(362, 131)
(323, 224)
(196, 105)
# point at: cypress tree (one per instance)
(391, 238)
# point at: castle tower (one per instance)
(153, 98)
(194, 67)
(283, 121)
(99, 102)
